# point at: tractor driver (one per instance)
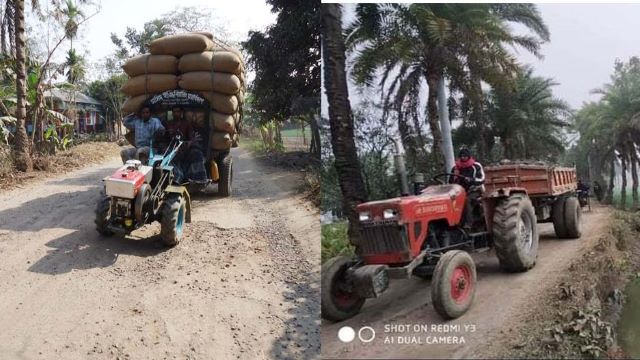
(190, 159)
(146, 128)
(470, 175)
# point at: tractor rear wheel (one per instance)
(172, 219)
(338, 302)
(515, 235)
(454, 284)
(103, 214)
(572, 218)
(557, 215)
(225, 168)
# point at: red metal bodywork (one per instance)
(414, 213)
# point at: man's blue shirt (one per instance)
(144, 129)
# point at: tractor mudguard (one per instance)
(504, 192)
(176, 189)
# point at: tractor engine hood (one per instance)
(435, 202)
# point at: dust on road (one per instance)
(502, 301)
(243, 283)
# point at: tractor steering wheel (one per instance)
(440, 178)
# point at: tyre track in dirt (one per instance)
(243, 283)
(502, 302)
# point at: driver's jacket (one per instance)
(474, 172)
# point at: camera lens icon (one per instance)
(347, 334)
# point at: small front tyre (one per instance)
(338, 300)
(453, 288)
(172, 220)
(103, 214)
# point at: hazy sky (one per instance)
(116, 15)
(585, 41)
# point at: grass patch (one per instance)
(335, 241)
(296, 133)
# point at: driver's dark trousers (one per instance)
(473, 195)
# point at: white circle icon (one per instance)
(346, 334)
(362, 334)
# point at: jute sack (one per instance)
(205, 33)
(240, 97)
(226, 104)
(223, 122)
(201, 81)
(180, 44)
(151, 83)
(151, 64)
(220, 141)
(223, 61)
(133, 104)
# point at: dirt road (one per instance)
(405, 315)
(242, 284)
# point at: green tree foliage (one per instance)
(285, 59)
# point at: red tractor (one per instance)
(423, 235)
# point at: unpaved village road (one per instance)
(502, 301)
(243, 283)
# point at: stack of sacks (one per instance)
(192, 62)
(219, 76)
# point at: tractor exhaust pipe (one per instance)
(398, 159)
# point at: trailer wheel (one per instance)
(558, 217)
(172, 219)
(103, 214)
(338, 303)
(572, 218)
(515, 235)
(225, 168)
(454, 284)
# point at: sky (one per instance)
(116, 15)
(586, 39)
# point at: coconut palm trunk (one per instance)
(433, 77)
(623, 173)
(22, 159)
(612, 175)
(340, 117)
(633, 158)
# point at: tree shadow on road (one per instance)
(301, 337)
(80, 250)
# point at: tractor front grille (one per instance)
(383, 238)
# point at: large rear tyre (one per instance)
(557, 215)
(454, 284)
(103, 214)
(515, 235)
(338, 302)
(572, 218)
(172, 219)
(225, 168)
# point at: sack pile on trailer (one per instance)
(192, 62)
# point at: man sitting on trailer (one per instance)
(145, 127)
(189, 162)
(470, 175)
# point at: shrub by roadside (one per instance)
(584, 306)
(334, 240)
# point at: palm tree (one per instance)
(340, 116)
(22, 159)
(528, 119)
(482, 36)
(75, 65)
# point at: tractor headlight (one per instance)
(365, 216)
(390, 214)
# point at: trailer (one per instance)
(552, 190)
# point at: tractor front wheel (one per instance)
(338, 300)
(515, 235)
(172, 219)
(454, 284)
(103, 214)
